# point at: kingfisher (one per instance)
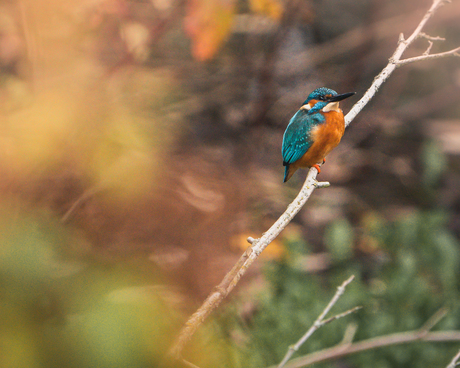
(314, 131)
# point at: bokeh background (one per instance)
(140, 146)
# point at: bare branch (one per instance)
(427, 56)
(403, 44)
(454, 363)
(320, 321)
(374, 343)
(423, 333)
(430, 38)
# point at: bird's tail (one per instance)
(287, 174)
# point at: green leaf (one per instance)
(434, 163)
(339, 239)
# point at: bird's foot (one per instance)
(317, 168)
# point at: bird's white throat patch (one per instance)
(305, 107)
(332, 106)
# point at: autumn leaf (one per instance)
(270, 8)
(208, 24)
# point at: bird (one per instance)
(314, 131)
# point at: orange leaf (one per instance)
(208, 24)
(270, 8)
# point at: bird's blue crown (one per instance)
(320, 94)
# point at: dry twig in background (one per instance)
(343, 349)
(258, 245)
(320, 321)
(454, 361)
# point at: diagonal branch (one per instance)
(258, 245)
(240, 268)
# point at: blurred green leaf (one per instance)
(339, 239)
(434, 163)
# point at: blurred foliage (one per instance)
(406, 270)
(409, 273)
(434, 163)
(61, 310)
(339, 240)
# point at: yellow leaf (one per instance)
(270, 8)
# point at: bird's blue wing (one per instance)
(297, 137)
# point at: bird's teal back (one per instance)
(297, 137)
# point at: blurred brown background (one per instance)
(150, 131)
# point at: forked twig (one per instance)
(454, 361)
(344, 349)
(320, 321)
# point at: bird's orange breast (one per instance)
(325, 137)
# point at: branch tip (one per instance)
(250, 240)
(322, 184)
(431, 38)
(454, 363)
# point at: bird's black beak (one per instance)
(341, 97)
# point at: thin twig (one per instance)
(428, 50)
(349, 334)
(454, 52)
(430, 38)
(341, 315)
(454, 363)
(320, 321)
(434, 320)
(80, 201)
(188, 364)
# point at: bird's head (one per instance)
(324, 99)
